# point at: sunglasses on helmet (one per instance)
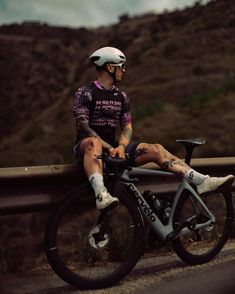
(121, 65)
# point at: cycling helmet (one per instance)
(107, 55)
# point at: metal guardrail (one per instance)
(35, 188)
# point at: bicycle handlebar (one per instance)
(120, 166)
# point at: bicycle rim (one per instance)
(82, 261)
(202, 245)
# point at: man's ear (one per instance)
(110, 68)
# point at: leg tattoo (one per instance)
(140, 152)
(169, 163)
(173, 163)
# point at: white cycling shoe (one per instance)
(212, 183)
(105, 200)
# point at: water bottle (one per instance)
(152, 200)
(165, 212)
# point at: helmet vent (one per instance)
(95, 58)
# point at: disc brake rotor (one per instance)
(92, 239)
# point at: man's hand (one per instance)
(118, 151)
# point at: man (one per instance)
(99, 109)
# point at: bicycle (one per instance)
(92, 249)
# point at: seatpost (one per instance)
(189, 145)
(189, 151)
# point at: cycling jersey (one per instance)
(104, 109)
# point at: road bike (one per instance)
(92, 249)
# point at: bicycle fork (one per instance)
(100, 234)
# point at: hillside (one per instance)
(180, 77)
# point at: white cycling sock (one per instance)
(97, 182)
(194, 177)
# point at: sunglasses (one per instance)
(121, 65)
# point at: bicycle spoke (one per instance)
(201, 245)
(92, 249)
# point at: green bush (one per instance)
(142, 111)
(200, 99)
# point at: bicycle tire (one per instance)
(201, 246)
(73, 257)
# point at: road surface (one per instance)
(163, 275)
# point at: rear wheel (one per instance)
(84, 256)
(201, 245)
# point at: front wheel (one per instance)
(87, 254)
(201, 245)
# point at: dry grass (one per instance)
(178, 66)
(212, 120)
(21, 242)
(173, 58)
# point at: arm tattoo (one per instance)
(127, 133)
(125, 136)
(84, 128)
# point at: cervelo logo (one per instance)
(144, 207)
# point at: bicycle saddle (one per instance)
(192, 142)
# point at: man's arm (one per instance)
(123, 141)
(83, 126)
(126, 135)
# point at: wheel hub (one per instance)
(95, 240)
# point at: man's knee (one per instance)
(158, 147)
(91, 144)
(153, 148)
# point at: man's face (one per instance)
(118, 69)
(119, 74)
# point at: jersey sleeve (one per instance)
(82, 100)
(126, 111)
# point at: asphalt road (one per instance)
(163, 275)
(211, 279)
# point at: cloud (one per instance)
(81, 12)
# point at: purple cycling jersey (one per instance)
(104, 109)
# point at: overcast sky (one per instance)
(77, 13)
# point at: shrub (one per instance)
(143, 111)
(199, 99)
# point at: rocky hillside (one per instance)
(180, 77)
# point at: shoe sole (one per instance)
(229, 182)
(226, 184)
(110, 206)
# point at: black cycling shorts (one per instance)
(130, 150)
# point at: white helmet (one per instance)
(107, 55)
